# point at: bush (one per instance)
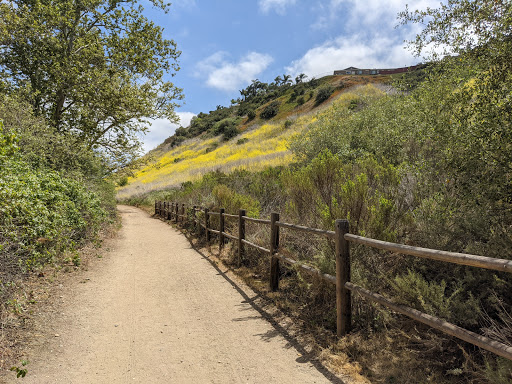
(251, 114)
(244, 109)
(232, 201)
(123, 181)
(230, 132)
(227, 127)
(213, 147)
(323, 94)
(436, 299)
(353, 104)
(270, 110)
(43, 214)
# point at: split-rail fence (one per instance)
(342, 238)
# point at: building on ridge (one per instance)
(374, 71)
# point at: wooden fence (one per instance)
(342, 239)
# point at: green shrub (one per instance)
(227, 127)
(43, 214)
(8, 143)
(328, 188)
(353, 104)
(212, 148)
(230, 132)
(245, 108)
(251, 114)
(323, 94)
(232, 201)
(123, 181)
(270, 110)
(435, 298)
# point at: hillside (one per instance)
(240, 137)
(425, 167)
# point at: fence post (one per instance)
(241, 236)
(343, 304)
(155, 208)
(159, 208)
(176, 212)
(182, 213)
(274, 245)
(221, 229)
(207, 224)
(168, 216)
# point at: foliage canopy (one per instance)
(94, 68)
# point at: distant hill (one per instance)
(252, 133)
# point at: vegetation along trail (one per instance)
(159, 312)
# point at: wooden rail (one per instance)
(342, 239)
(253, 220)
(448, 257)
(262, 249)
(329, 234)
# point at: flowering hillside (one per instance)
(259, 146)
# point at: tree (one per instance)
(93, 68)
(464, 27)
(473, 89)
(479, 33)
(300, 78)
(244, 93)
(286, 80)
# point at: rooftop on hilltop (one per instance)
(374, 71)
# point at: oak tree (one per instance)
(98, 69)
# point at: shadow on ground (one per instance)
(278, 330)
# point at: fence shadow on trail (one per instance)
(278, 330)
(341, 236)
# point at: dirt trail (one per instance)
(157, 311)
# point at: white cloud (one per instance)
(368, 41)
(229, 76)
(279, 6)
(161, 129)
(368, 14)
(349, 51)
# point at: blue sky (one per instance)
(227, 43)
